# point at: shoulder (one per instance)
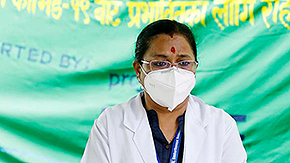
(207, 114)
(115, 114)
(221, 128)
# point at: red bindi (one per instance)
(171, 35)
(172, 49)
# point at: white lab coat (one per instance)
(122, 134)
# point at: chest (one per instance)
(139, 147)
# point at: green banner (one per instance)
(62, 62)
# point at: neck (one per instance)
(167, 119)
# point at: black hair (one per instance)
(163, 26)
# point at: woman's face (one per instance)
(172, 48)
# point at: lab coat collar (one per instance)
(195, 134)
(136, 120)
(196, 119)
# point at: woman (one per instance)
(165, 123)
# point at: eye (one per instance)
(183, 63)
(159, 63)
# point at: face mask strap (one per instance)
(143, 70)
(140, 80)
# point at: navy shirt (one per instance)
(163, 148)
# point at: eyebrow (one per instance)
(184, 56)
(160, 55)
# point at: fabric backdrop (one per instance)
(62, 62)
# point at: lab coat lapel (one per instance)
(136, 120)
(194, 135)
(144, 142)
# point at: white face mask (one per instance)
(169, 87)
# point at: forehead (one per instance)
(162, 44)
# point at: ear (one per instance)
(137, 68)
